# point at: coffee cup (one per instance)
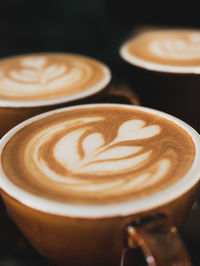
(164, 66)
(89, 182)
(35, 83)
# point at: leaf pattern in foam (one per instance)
(103, 167)
(23, 76)
(118, 152)
(71, 77)
(54, 71)
(101, 158)
(134, 129)
(66, 150)
(35, 63)
(43, 76)
(51, 76)
(92, 143)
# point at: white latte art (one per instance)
(165, 50)
(101, 155)
(177, 49)
(99, 158)
(49, 76)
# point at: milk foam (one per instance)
(48, 77)
(149, 131)
(98, 156)
(165, 50)
(176, 49)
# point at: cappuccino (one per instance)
(96, 155)
(98, 174)
(165, 50)
(164, 66)
(50, 78)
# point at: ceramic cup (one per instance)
(100, 234)
(164, 69)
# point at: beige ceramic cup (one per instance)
(100, 235)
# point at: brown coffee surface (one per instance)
(170, 47)
(48, 76)
(98, 155)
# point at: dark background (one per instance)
(92, 27)
(95, 28)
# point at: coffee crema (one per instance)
(50, 76)
(98, 155)
(173, 50)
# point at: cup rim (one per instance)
(137, 62)
(65, 99)
(187, 182)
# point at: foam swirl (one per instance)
(49, 76)
(177, 50)
(113, 155)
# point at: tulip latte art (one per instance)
(165, 50)
(50, 76)
(97, 155)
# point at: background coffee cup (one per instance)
(167, 86)
(90, 236)
(35, 83)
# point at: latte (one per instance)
(167, 50)
(42, 79)
(97, 155)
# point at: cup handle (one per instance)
(159, 241)
(123, 91)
